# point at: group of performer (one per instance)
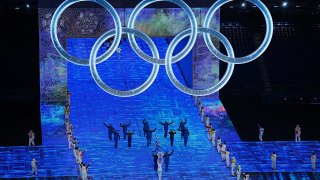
(73, 142)
(297, 133)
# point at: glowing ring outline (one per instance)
(202, 92)
(254, 55)
(120, 93)
(64, 53)
(180, 55)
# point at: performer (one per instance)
(185, 133)
(84, 171)
(125, 129)
(297, 133)
(233, 165)
(207, 120)
(213, 137)
(34, 167)
(155, 159)
(130, 138)
(261, 131)
(202, 113)
(160, 162)
(182, 126)
(31, 135)
(165, 127)
(110, 130)
(166, 159)
(223, 151)
(245, 176)
(274, 161)
(199, 104)
(116, 138)
(70, 138)
(149, 136)
(227, 155)
(195, 100)
(313, 161)
(238, 172)
(145, 127)
(218, 144)
(172, 133)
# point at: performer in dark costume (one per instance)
(125, 129)
(116, 138)
(149, 136)
(172, 133)
(182, 126)
(110, 130)
(185, 134)
(130, 138)
(166, 127)
(155, 159)
(145, 127)
(166, 159)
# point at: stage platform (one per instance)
(91, 107)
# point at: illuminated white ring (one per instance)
(180, 55)
(204, 92)
(108, 89)
(80, 61)
(256, 53)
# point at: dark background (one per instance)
(266, 91)
(19, 92)
(282, 88)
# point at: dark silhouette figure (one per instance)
(125, 129)
(172, 133)
(145, 127)
(149, 136)
(185, 134)
(110, 130)
(166, 127)
(155, 159)
(182, 126)
(166, 159)
(130, 138)
(116, 138)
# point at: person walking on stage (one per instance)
(166, 127)
(149, 136)
(130, 138)
(313, 161)
(145, 127)
(155, 159)
(32, 136)
(125, 129)
(297, 131)
(182, 126)
(185, 133)
(160, 162)
(238, 172)
(273, 161)
(34, 167)
(166, 159)
(116, 138)
(172, 133)
(110, 130)
(233, 165)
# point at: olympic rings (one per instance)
(108, 89)
(256, 53)
(79, 61)
(155, 59)
(187, 48)
(212, 89)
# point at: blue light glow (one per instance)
(210, 90)
(107, 88)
